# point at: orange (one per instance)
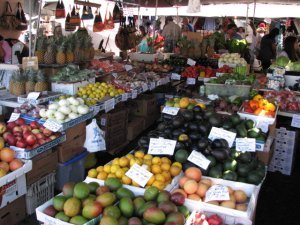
(151, 180)
(115, 161)
(125, 169)
(92, 173)
(155, 169)
(184, 102)
(100, 169)
(194, 173)
(175, 170)
(147, 162)
(165, 160)
(165, 167)
(102, 175)
(167, 176)
(120, 173)
(139, 154)
(160, 185)
(123, 162)
(156, 160)
(160, 177)
(107, 168)
(129, 156)
(114, 168)
(126, 180)
(177, 164)
(148, 156)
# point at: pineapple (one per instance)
(40, 49)
(17, 84)
(86, 48)
(41, 84)
(78, 49)
(60, 55)
(92, 51)
(70, 46)
(49, 57)
(30, 83)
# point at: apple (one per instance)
(48, 139)
(2, 127)
(11, 140)
(41, 141)
(40, 136)
(20, 121)
(42, 128)
(35, 131)
(18, 138)
(52, 137)
(25, 127)
(17, 129)
(26, 133)
(11, 125)
(34, 125)
(31, 139)
(17, 134)
(21, 143)
(5, 135)
(47, 132)
(35, 146)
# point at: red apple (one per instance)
(5, 135)
(34, 125)
(21, 143)
(20, 121)
(48, 139)
(31, 139)
(42, 128)
(35, 131)
(41, 141)
(26, 133)
(52, 137)
(29, 147)
(17, 129)
(17, 134)
(2, 127)
(11, 140)
(35, 146)
(47, 132)
(40, 136)
(18, 138)
(11, 125)
(25, 127)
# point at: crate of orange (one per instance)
(165, 172)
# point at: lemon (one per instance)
(100, 169)
(155, 169)
(129, 156)
(102, 175)
(148, 156)
(126, 180)
(123, 162)
(139, 154)
(115, 161)
(165, 167)
(160, 177)
(92, 173)
(114, 168)
(107, 168)
(156, 160)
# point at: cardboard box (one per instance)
(116, 141)
(76, 131)
(135, 127)
(118, 115)
(115, 129)
(118, 149)
(13, 213)
(70, 88)
(149, 120)
(145, 105)
(42, 165)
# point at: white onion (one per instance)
(73, 116)
(59, 116)
(63, 102)
(73, 108)
(83, 109)
(53, 106)
(65, 110)
(50, 113)
(43, 113)
(81, 101)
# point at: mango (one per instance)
(58, 202)
(154, 215)
(81, 190)
(123, 220)
(167, 207)
(106, 199)
(92, 210)
(93, 187)
(163, 196)
(113, 183)
(184, 210)
(138, 202)
(134, 221)
(88, 200)
(50, 211)
(72, 207)
(101, 190)
(62, 216)
(78, 220)
(124, 192)
(112, 211)
(108, 220)
(147, 205)
(151, 193)
(126, 207)
(68, 189)
(176, 217)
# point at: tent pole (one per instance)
(247, 16)
(30, 29)
(38, 24)
(153, 42)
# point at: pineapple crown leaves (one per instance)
(41, 43)
(18, 76)
(40, 77)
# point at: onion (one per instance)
(63, 102)
(59, 116)
(83, 109)
(73, 108)
(43, 113)
(73, 115)
(65, 110)
(53, 106)
(50, 113)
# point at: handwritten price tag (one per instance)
(160, 146)
(152, 85)
(139, 174)
(52, 125)
(145, 87)
(170, 110)
(245, 144)
(134, 94)
(14, 117)
(191, 62)
(191, 81)
(33, 95)
(296, 121)
(199, 159)
(128, 67)
(217, 133)
(124, 97)
(109, 105)
(96, 110)
(217, 193)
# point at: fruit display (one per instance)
(8, 160)
(159, 67)
(30, 110)
(92, 93)
(153, 207)
(184, 103)
(71, 74)
(27, 136)
(230, 105)
(259, 106)
(194, 187)
(286, 100)
(204, 218)
(232, 58)
(198, 71)
(65, 110)
(234, 78)
(162, 168)
(225, 69)
(107, 66)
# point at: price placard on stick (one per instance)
(170, 110)
(52, 125)
(245, 144)
(218, 133)
(14, 117)
(139, 174)
(217, 192)
(160, 146)
(199, 159)
(33, 95)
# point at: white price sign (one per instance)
(96, 110)
(145, 87)
(139, 174)
(245, 144)
(296, 121)
(218, 133)
(217, 193)
(33, 95)
(191, 62)
(175, 76)
(191, 81)
(134, 94)
(124, 97)
(128, 67)
(160, 146)
(199, 159)
(170, 110)
(14, 117)
(109, 105)
(52, 125)
(263, 125)
(152, 85)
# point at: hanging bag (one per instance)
(75, 18)
(98, 23)
(68, 26)
(108, 22)
(8, 20)
(87, 13)
(20, 15)
(94, 141)
(60, 10)
(117, 12)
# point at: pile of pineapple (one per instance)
(23, 82)
(74, 48)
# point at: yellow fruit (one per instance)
(132, 162)
(125, 169)
(184, 102)
(148, 156)
(114, 168)
(202, 106)
(165, 160)
(151, 180)
(100, 169)
(147, 162)
(111, 175)
(165, 167)
(139, 161)
(139, 154)
(160, 185)
(129, 156)
(167, 175)
(102, 175)
(92, 173)
(156, 160)
(107, 168)
(120, 173)
(123, 162)
(160, 177)
(178, 164)
(126, 180)
(115, 161)
(135, 184)
(175, 170)
(156, 169)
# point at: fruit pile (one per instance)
(92, 93)
(162, 168)
(286, 100)
(8, 162)
(153, 207)
(198, 71)
(259, 106)
(27, 136)
(30, 110)
(201, 218)
(194, 187)
(183, 103)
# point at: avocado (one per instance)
(230, 164)
(161, 126)
(198, 116)
(241, 130)
(253, 164)
(261, 166)
(176, 133)
(217, 143)
(227, 125)
(203, 129)
(215, 120)
(181, 155)
(197, 108)
(203, 143)
(235, 119)
(188, 115)
(219, 154)
(261, 137)
(194, 135)
(243, 170)
(249, 124)
(254, 178)
(212, 160)
(215, 172)
(245, 157)
(253, 133)
(229, 175)
(177, 122)
(224, 143)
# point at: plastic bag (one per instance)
(94, 141)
